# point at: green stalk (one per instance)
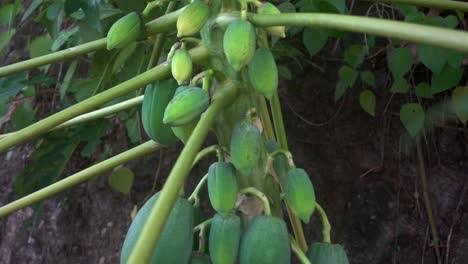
(260, 195)
(201, 228)
(194, 196)
(299, 253)
(80, 177)
(265, 116)
(157, 218)
(205, 152)
(278, 121)
(430, 35)
(159, 25)
(326, 227)
(441, 4)
(104, 112)
(158, 73)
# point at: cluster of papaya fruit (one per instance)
(171, 110)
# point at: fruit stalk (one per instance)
(80, 177)
(326, 227)
(157, 73)
(194, 196)
(297, 250)
(259, 195)
(201, 234)
(160, 211)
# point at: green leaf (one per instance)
(23, 115)
(8, 13)
(354, 55)
(121, 180)
(412, 118)
(40, 46)
(446, 79)
(5, 38)
(285, 72)
(460, 103)
(63, 37)
(123, 56)
(340, 90)
(83, 88)
(314, 39)
(67, 79)
(451, 21)
(368, 78)
(347, 75)
(400, 62)
(367, 101)
(433, 58)
(31, 8)
(400, 85)
(423, 90)
(132, 129)
(11, 85)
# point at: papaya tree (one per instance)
(219, 75)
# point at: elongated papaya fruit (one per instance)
(156, 98)
(300, 194)
(192, 18)
(222, 187)
(175, 244)
(181, 66)
(239, 43)
(263, 73)
(186, 106)
(184, 132)
(245, 147)
(326, 253)
(269, 9)
(124, 31)
(224, 239)
(200, 259)
(265, 241)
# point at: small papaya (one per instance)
(239, 43)
(186, 106)
(155, 100)
(222, 187)
(192, 18)
(300, 194)
(224, 240)
(270, 9)
(176, 241)
(181, 65)
(265, 241)
(245, 147)
(124, 31)
(326, 253)
(200, 259)
(263, 72)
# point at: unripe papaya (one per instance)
(175, 243)
(184, 132)
(181, 65)
(263, 73)
(200, 259)
(225, 234)
(222, 187)
(265, 241)
(124, 31)
(192, 18)
(239, 43)
(186, 106)
(245, 147)
(300, 194)
(269, 9)
(326, 253)
(156, 98)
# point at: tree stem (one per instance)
(158, 216)
(430, 35)
(445, 4)
(158, 73)
(79, 177)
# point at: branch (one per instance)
(157, 218)
(445, 4)
(162, 24)
(80, 177)
(158, 73)
(430, 35)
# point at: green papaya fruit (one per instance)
(155, 100)
(224, 239)
(200, 259)
(124, 31)
(175, 243)
(265, 241)
(239, 43)
(186, 106)
(270, 9)
(181, 65)
(263, 73)
(222, 187)
(245, 147)
(300, 194)
(192, 18)
(326, 253)
(184, 132)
